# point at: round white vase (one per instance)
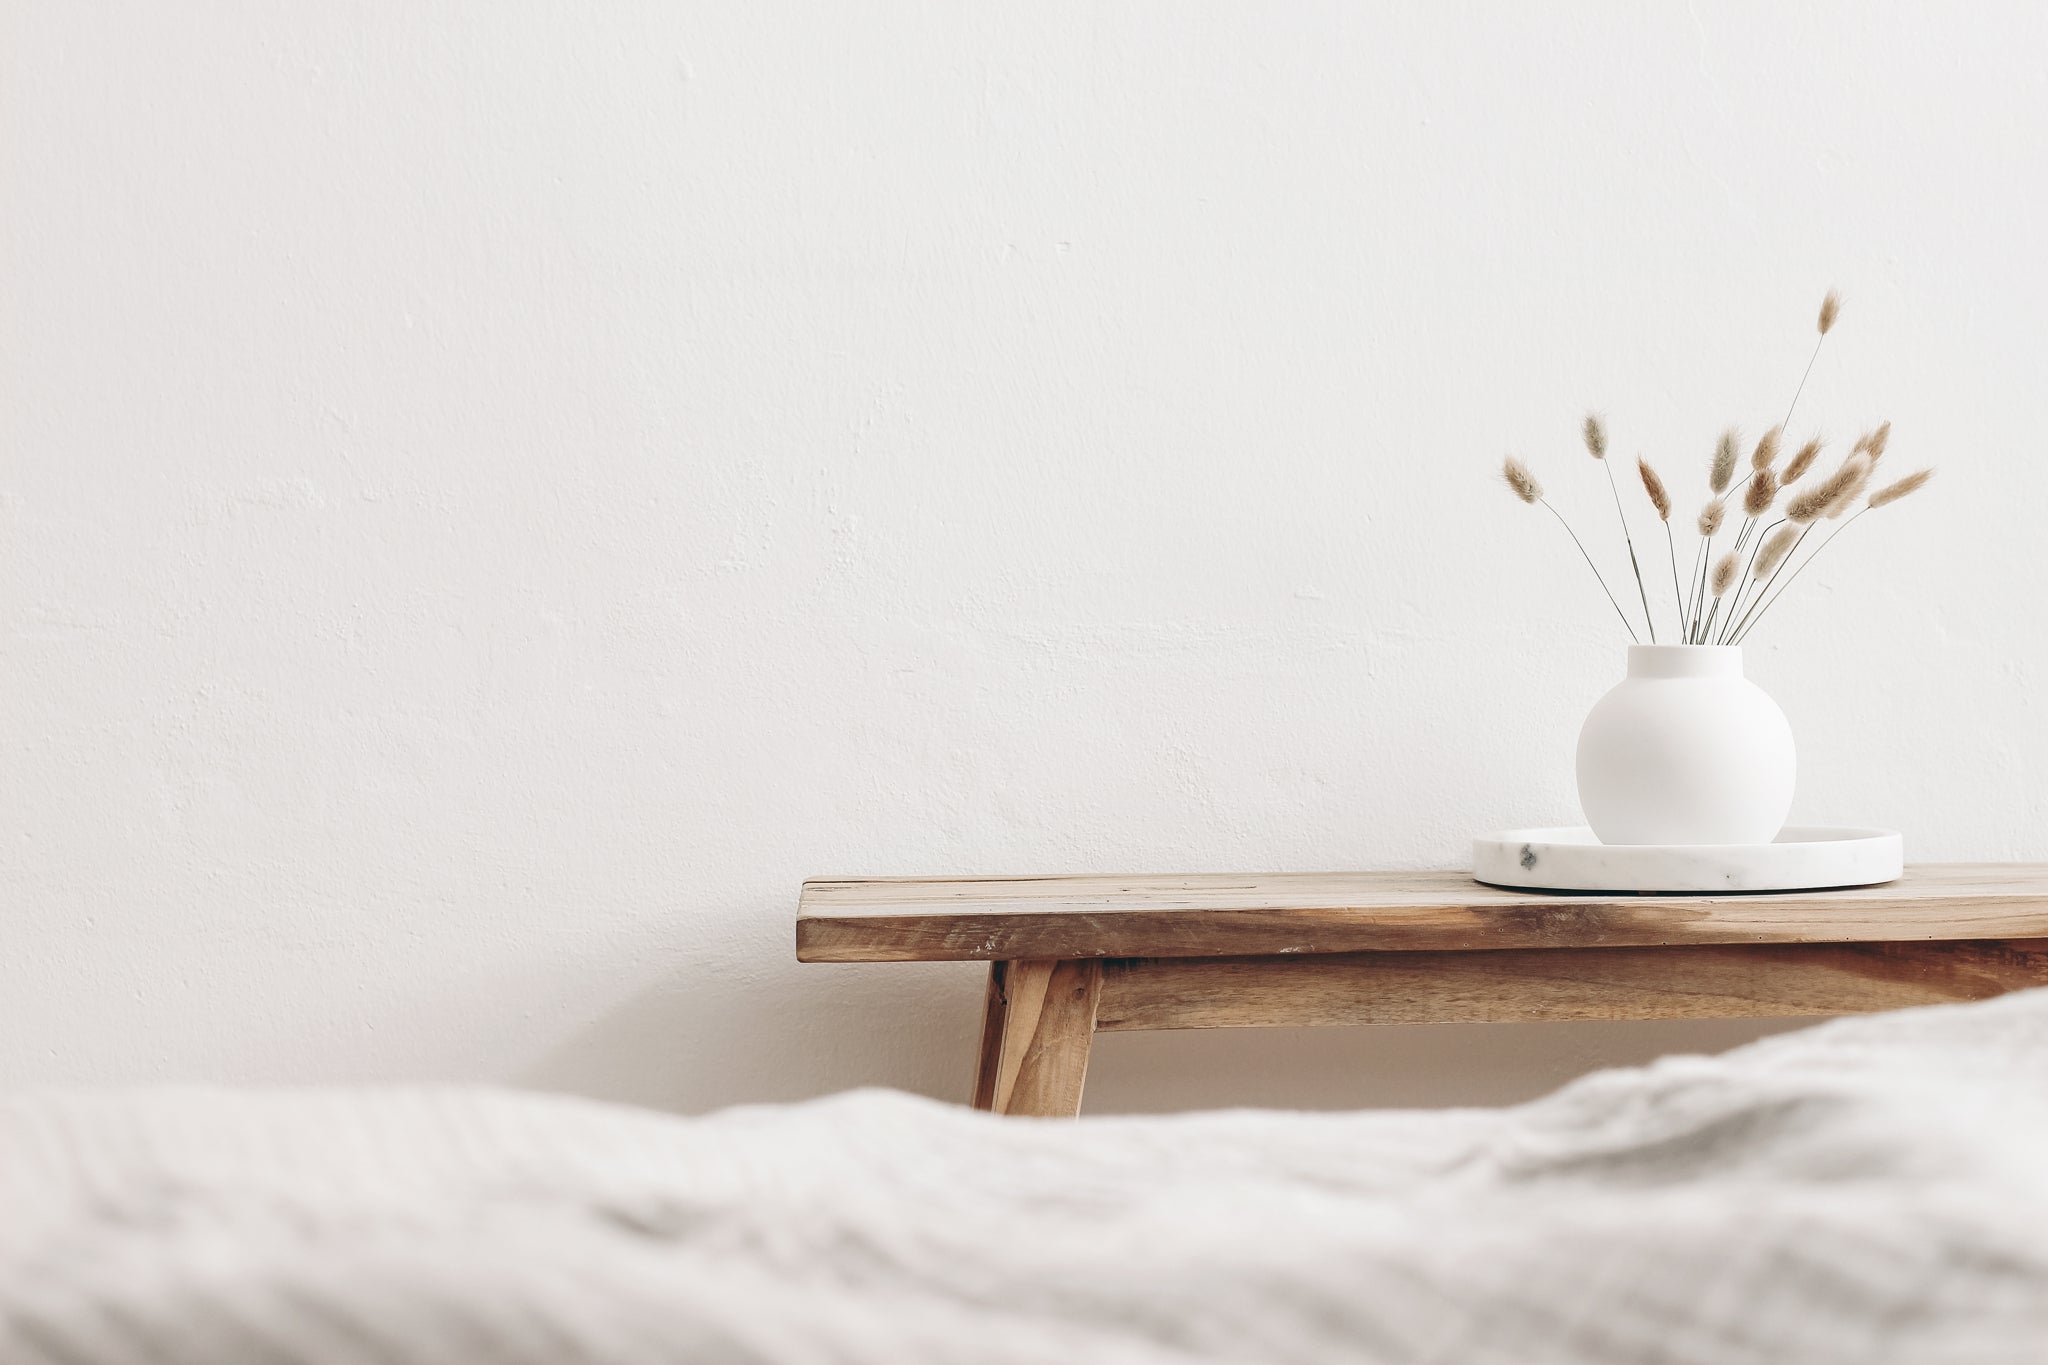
(1685, 750)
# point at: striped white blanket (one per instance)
(1869, 1191)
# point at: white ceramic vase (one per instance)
(1685, 750)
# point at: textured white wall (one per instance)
(496, 494)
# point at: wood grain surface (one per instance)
(1039, 1024)
(1520, 985)
(1223, 915)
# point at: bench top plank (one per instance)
(968, 919)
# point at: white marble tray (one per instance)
(1802, 858)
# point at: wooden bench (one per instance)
(1074, 955)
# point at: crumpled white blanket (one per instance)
(1872, 1190)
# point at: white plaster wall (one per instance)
(496, 494)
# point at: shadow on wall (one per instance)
(1418, 1066)
(788, 1033)
(797, 1032)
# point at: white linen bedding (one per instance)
(1871, 1190)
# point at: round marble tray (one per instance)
(1802, 858)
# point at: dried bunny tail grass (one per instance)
(1763, 491)
(1815, 501)
(1829, 308)
(1517, 476)
(1654, 486)
(1723, 472)
(1724, 573)
(1596, 442)
(1801, 462)
(1773, 551)
(1852, 478)
(1766, 453)
(1710, 518)
(1892, 492)
(1873, 442)
(1853, 489)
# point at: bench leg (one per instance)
(1035, 1033)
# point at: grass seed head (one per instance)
(1814, 502)
(1766, 453)
(1852, 489)
(1762, 492)
(1517, 477)
(1802, 461)
(1772, 552)
(1723, 472)
(1654, 486)
(1724, 573)
(1830, 309)
(1892, 492)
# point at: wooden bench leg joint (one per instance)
(1043, 1014)
(1035, 1034)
